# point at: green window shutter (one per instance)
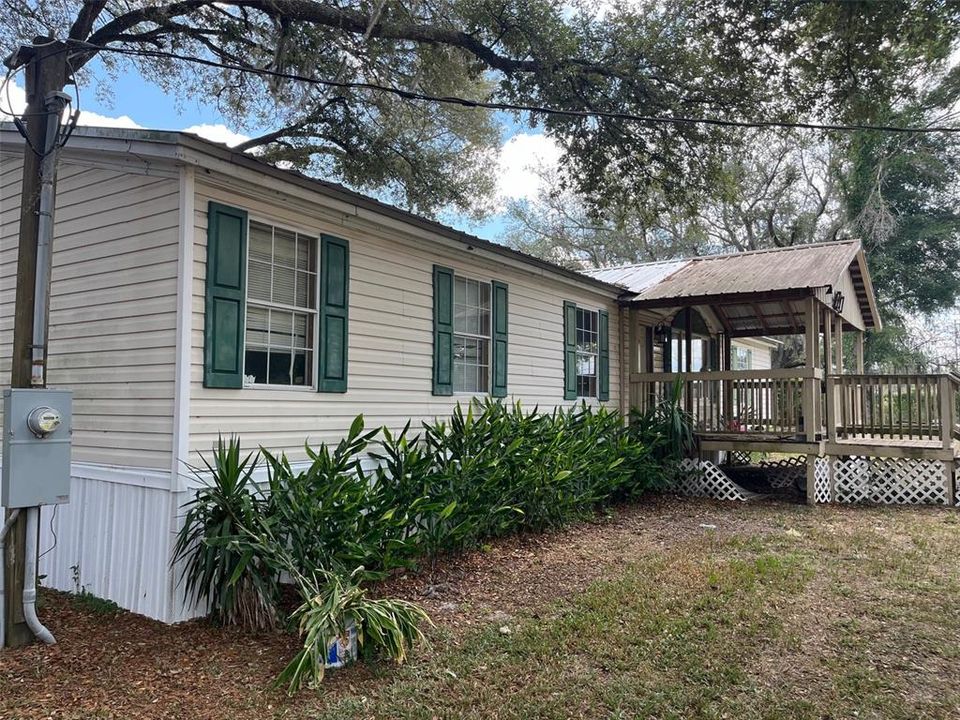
(442, 330)
(334, 313)
(225, 297)
(569, 350)
(603, 381)
(499, 388)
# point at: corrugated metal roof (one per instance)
(637, 278)
(792, 268)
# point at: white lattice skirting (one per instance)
(886, 481)
(701, 478)
(786, 473)
(821, 479)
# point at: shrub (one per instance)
(221, 567)
(333, 601)
(489, 470)
(318, 513)
(668, 430)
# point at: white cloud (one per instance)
(520, 158)
(92, 118)
(15, 100)
(219, 133)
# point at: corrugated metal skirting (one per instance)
(114, 540)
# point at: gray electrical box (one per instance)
(36, 447)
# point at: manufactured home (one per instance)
(198, 292)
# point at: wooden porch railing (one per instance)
(781, 403)
(792, 404)
(919, 407)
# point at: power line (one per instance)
(514, 107)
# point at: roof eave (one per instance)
(342, 194)
(198, 147)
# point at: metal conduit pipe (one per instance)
(30, 580)
(14, 514)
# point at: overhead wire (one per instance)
(73, 45)
(514, 107)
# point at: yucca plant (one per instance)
(221, 567)
(331, 602)
(668, 429)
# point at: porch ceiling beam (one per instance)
(759, 315)
(722, 317)
(787, 307)
(760, 332)
(724, 298)
(768, 316)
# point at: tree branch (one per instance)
(346, 20)
(86, 18)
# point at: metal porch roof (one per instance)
(748, 276)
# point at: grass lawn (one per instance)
(666, 609)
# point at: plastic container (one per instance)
(343, 650)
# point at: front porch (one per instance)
(848, 425)
(892, 438)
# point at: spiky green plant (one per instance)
(668, 429)
(331, 602)
(220, 566)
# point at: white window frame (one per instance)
(314, 313)
(595, 354)
(474, 336)
(744, 362)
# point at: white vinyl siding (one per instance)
(113, 308)
(757, 353)
(391, 329)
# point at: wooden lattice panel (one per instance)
(704, 479)
(739, 457)
(788, 472)
(821, 480)
(890, 481)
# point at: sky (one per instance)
(133, 103)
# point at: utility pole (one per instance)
(46, 76)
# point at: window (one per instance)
(588, 348)
(471, 335)
(281, 307)
(742, 358)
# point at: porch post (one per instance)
(858, 347)
(838, 338)
(827, 341)
(946, 434)
(627, 400)
(727, 384)
(687, 359)
(810, 388)
(811, 479)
